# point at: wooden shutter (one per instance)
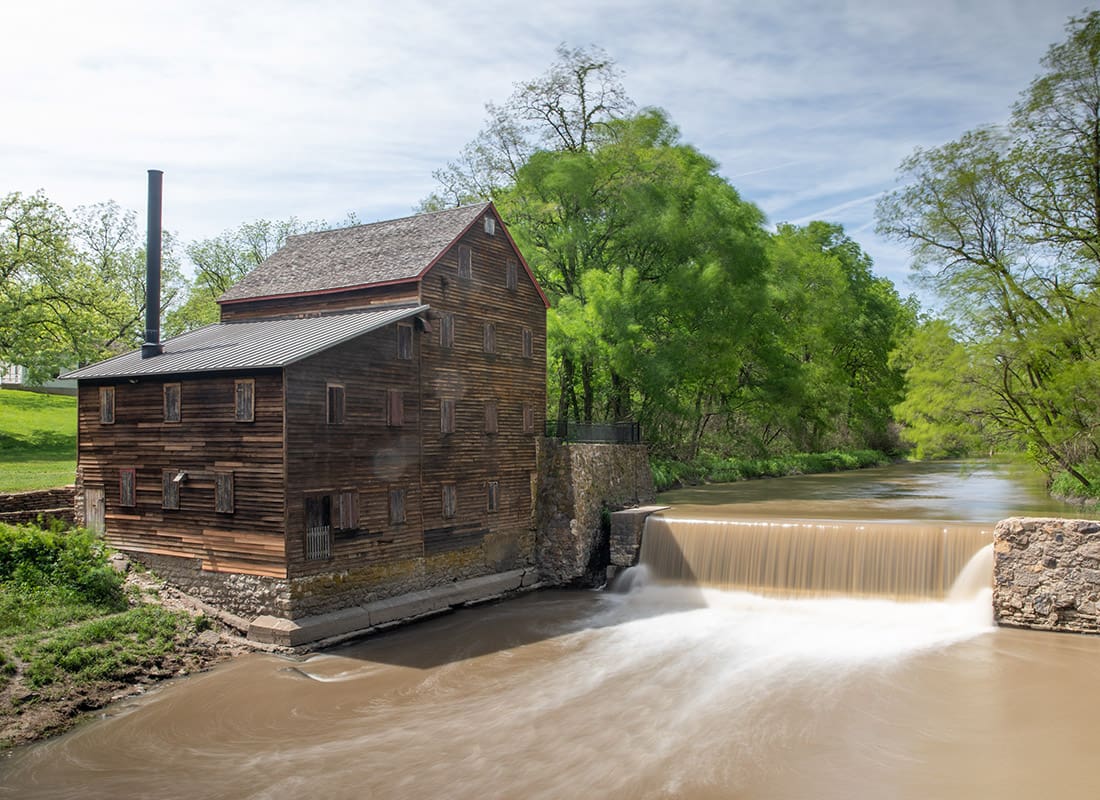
(127, 488)
(171, 402)
(395, 408)
(449, 500)
(511, 275)
(397, 506)
(465, 263)
(223, 492)
(246, 400)
(490, 416)
(447, 415)
(170, 489)
(107, 405)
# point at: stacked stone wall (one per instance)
(578, 485)
(25, 507)
(1046, 574)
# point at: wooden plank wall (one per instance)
(363, 453)
(289, 306)
(470, 457)
(208, 438)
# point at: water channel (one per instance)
(666, 690)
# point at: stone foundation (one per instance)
(1046, 574)
(578, 485)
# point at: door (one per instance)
(94, 509)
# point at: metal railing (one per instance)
(609, 432)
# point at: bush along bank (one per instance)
(1066, 487)
(670, 474)
(75, 634)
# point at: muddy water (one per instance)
(664, 691)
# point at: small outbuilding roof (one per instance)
(392, 251)
(252, 344)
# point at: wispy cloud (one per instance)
(267, 109)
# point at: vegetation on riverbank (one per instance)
(669, 474)
(75, 634)
(37, 440)
(1069, 487)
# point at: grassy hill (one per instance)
(37, 440)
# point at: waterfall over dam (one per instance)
(917, 560)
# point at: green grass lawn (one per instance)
(37, 440)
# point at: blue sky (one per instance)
(271, 109)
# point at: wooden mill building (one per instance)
(361, 423)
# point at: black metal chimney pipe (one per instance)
(152, 346)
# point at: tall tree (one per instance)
(72, 289)
(1004, 224)
(567, 109)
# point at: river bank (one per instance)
(77, 633)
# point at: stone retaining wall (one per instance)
(1046, 574)
(22, 507)
(578, 483)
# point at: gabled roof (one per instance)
(393, 251)
(253, 344)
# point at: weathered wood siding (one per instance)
(206, 440)
(328, 302)
(364, 453)
(470, 457)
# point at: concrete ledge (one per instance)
(393, 610)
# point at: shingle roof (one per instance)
(382, 252)
(254, 344)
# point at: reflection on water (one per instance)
(982, 492)
(661, 691)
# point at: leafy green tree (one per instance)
(72, 288)
(838, 324)
(1004, 224)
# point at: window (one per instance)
(171, 402)
(223, 492)
(334, 412)
(447, 415)
(395, 408)
(490, 337)
(465, 263)
(127, 487)
(347, 510)
(528, 418)
(397, 506)
(490, 225)
(246, 400)
(490, 416)
(170, 491)
(511, 275)
(447, 329)
(528, 343)
(405, 342)
(107, 405)
(449, 500)
(492, 495)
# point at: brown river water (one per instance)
(673, 688)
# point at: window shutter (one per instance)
(107, 405)
(246, 400)
(223, 492)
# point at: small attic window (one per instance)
(490, 225)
